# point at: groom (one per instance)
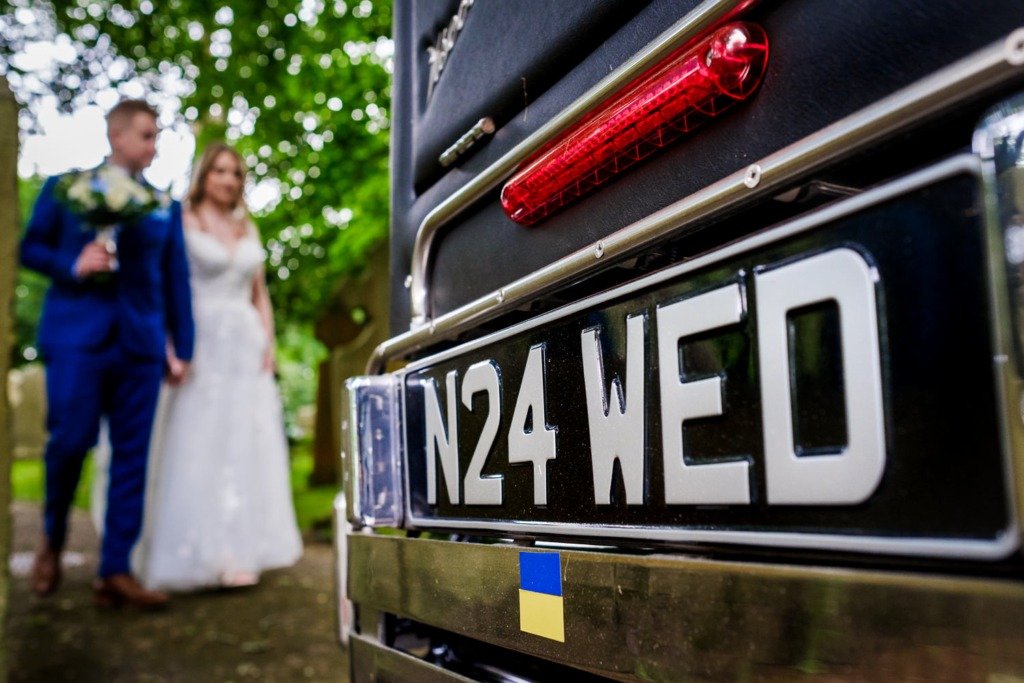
(103, 337)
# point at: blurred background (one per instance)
(302, 89)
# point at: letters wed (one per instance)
(617, 410)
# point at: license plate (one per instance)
(825, 384)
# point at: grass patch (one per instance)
(313, 505)
(28, 482)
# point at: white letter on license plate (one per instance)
(439, 444)
(718, 483)
(852, 475)
(616, 420)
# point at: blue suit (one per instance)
(104, 344)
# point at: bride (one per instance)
(219, 508)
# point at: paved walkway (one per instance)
(281, 630)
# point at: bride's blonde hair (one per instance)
(213, 150)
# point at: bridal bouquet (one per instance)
(106, 198)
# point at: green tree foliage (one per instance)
(28, 292)
(300, 87)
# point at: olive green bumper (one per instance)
(666, 617)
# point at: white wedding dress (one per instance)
(218, 500)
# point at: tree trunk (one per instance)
(9, 231)
(326, 446)
(350, 347)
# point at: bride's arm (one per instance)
(261, 300)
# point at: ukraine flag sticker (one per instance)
(540, 595)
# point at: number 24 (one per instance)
(530, 439)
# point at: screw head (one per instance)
(1014, 47)
(752, 176)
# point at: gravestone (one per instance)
(26, 396)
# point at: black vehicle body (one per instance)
(862, 143)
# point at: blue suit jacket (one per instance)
(147, 298)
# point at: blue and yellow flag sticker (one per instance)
(540, 595)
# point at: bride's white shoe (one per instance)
(239, 580)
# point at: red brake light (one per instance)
(695, 83)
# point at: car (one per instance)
(707, 346)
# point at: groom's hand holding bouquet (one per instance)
(107, 199)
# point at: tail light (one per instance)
(694, 84)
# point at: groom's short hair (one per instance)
(125, 110)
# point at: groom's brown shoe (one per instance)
(122, 590)
(45, 575)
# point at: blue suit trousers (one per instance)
(83, 385)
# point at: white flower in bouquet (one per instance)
(118, 195)
(141, 195)
(80, 191)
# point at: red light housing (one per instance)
(694, 84)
